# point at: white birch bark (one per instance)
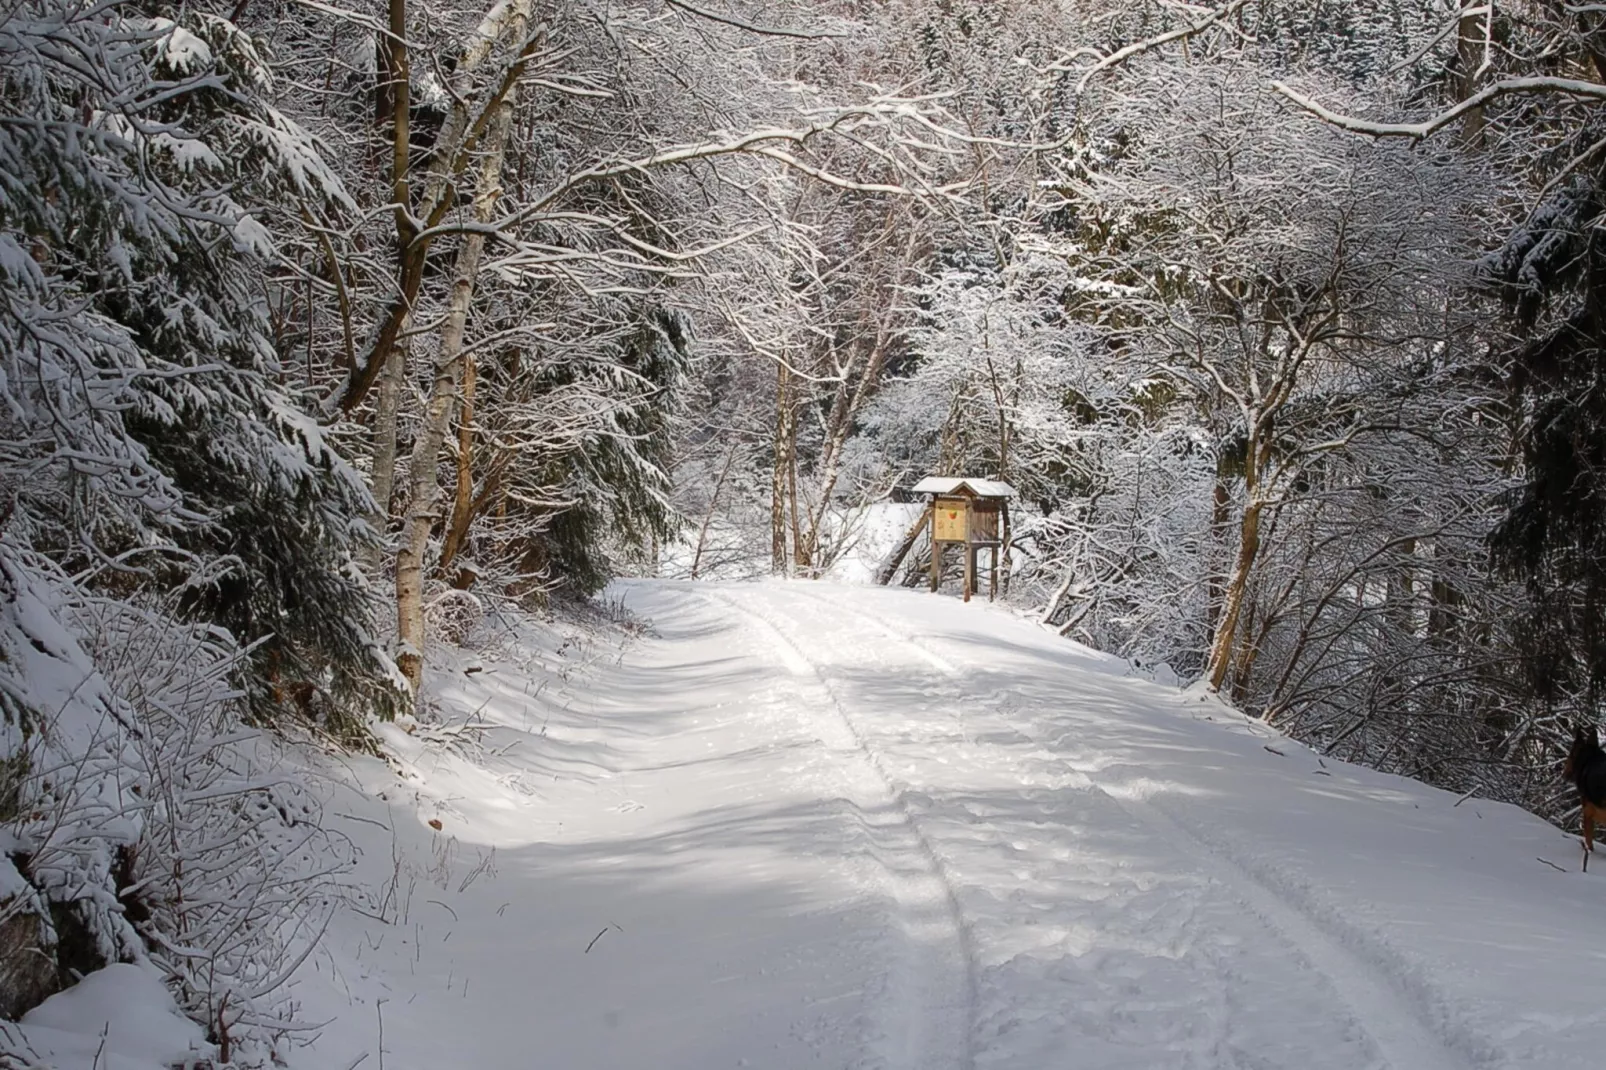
(424, 501)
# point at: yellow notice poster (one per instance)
(951, 521)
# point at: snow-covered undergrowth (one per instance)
(151, 834)
(118, 1018)
(144, 822)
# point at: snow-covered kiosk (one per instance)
(973, 513)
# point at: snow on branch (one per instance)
(1205, 20)
(754, 142)
(1428, 127)
(766, 31)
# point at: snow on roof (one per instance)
(985, 488)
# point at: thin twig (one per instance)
(597, 937)
(767, 31)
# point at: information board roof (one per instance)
(983, 488)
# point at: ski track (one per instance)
(934, 989)
(1382, 1001)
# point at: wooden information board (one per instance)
(952, 517)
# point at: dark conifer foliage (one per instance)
(1552, 274)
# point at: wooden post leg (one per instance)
(936, 565)
(970, 570)
(1004, 537)
(992, 573)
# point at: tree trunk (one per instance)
(1469, 57)
(1244, 660)
(1216, 582)
(1237, 587)
(1006, 544)
(463, 499)
(791, 484)
(393, 104)
(384, 468)
(782, 457)
(713, 506)
(910, 537)
(424, 477)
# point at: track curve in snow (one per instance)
(1375, 1000)
(928, 1011)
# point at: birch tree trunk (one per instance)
(421, 513)
(463, 500)
(383, 482)
(783, 463)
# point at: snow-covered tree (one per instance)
(177, 551)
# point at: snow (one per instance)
(878, 532)
(986, 488)
(252, 237)
(182, 50)
(800, 824)
(118, 1018)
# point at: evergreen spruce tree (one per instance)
(1552, 273)
(152, 446)
(616, 479)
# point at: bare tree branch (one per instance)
(767, 31)
(1511, 86)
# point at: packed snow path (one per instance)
(805, 825)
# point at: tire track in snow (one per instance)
(1383, 1007)
(936, 985)
(1371, 995)
(1374, 994)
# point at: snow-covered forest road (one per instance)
(806, 825)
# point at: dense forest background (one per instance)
(327, 327)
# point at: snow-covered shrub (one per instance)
(453, 615)
(232, 878)
(76, 806)
(151, 824)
